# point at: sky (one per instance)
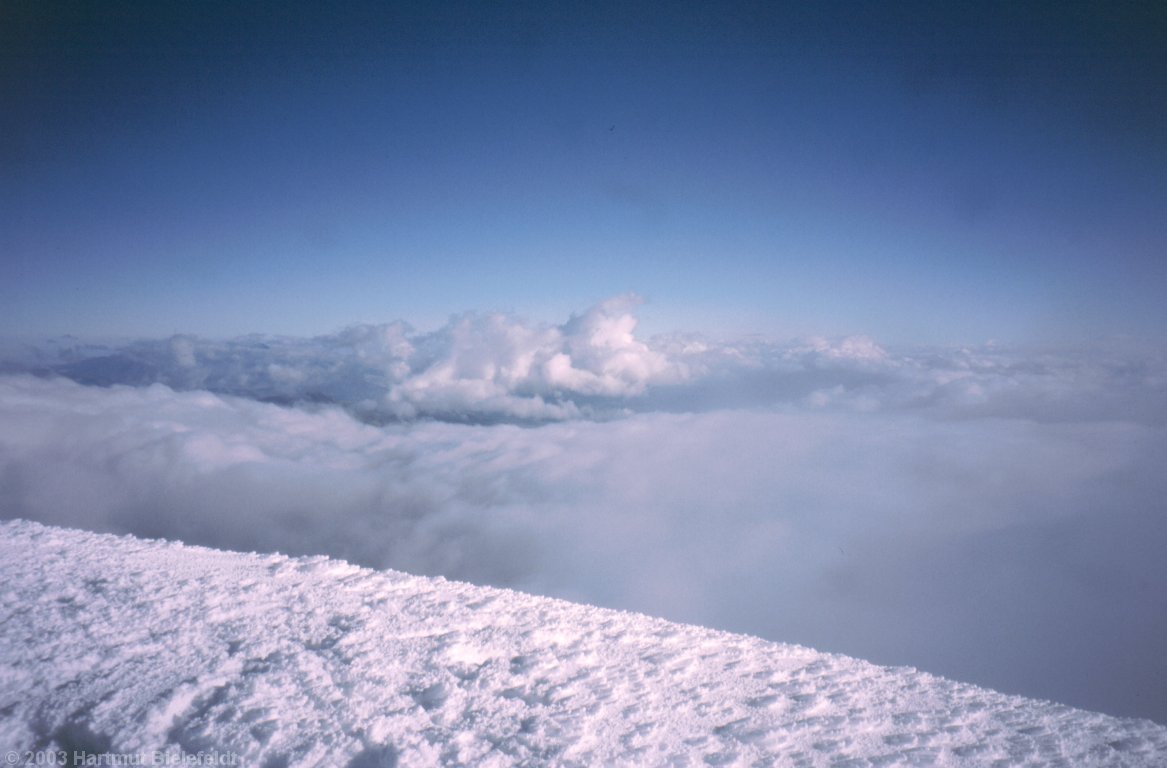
(918, 172)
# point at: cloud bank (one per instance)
(989, 515)
(477, 367)
(492, 367)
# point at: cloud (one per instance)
(494, 364)
(905, 516)
(477, 367)
(494, 367)
(990, 514)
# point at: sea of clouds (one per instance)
(992, 515)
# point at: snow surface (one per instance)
(119, 646)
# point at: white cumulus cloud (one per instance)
(492, 367)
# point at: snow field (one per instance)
(121, 645)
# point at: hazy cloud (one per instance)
(903, 516)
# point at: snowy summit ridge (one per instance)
(116, 646)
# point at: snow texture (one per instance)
(125, 646)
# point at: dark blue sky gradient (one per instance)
(921, 172)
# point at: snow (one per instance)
(115, 647)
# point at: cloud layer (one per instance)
(487, 368)
(1011, 552)
(479, 366)
(985, 516)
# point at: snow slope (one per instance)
(115, 647)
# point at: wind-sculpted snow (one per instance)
(121, 648)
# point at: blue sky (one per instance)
(919, 172)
